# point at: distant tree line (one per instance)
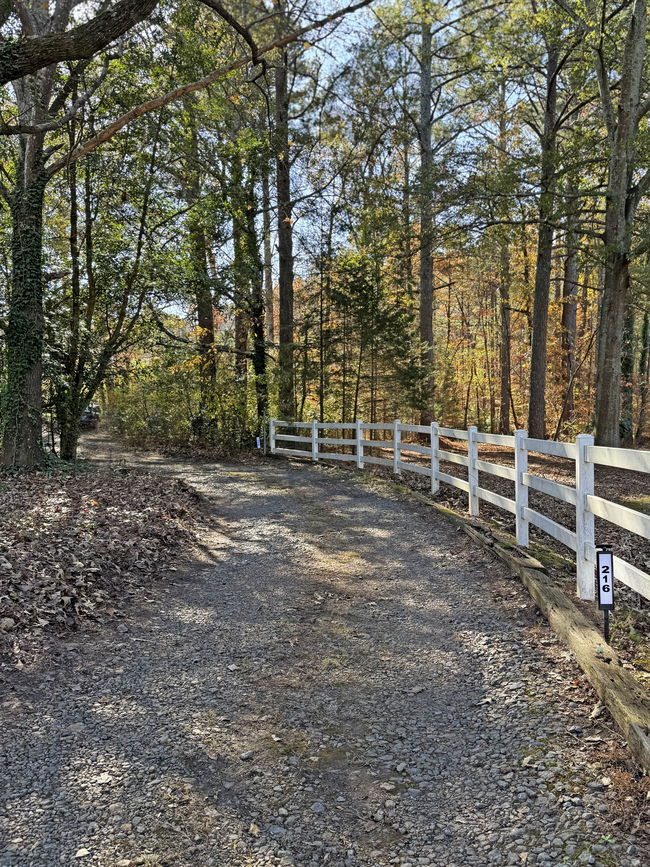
(425, 210)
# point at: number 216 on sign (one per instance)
(605, 571)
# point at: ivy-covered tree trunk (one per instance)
(22, 440)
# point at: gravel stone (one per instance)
(332, 645)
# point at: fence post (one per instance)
(397, 438)
(585, 532)
(521, 490)
(435, 462)
(359, 445)
(472, 471)
(314, 440)
(272, 435)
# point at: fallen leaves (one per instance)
(75, 548)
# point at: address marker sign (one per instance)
(605, 572)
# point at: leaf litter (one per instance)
(77, 548)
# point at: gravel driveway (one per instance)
(331, 683)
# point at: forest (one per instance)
(214, 213)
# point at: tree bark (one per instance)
(305, 368)
(268, 260)
(22, 435)
(259, 351)
(621, 202)
(537, 400)
(344, 369)
(199, 272)
(627, 376)
(257, 312)
(285, 239)
(426, 224)
(504, 287)
(27, 56)
(504, 347)
(610, 350)
(644, 370)
(204, 309)
(68, 405)
(569, 316)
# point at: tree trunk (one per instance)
(241, 345)
(569, 317)
(268, 260)
(622, 199)
(504, 285)
(344, 371)
(357, 385)
(610, 350)
(259, 352)
(22, 436)
(257, 311)
(627, 376)
(68, 407)
(488, 363)
(504, 347)
(644, 370)
(204, 310)
(285, 239)
(69, 427)
(200, 276)
(305, 368)
(467, 397)
(537, 401)
(242, 274)
(426, 224)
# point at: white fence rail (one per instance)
(582, 497)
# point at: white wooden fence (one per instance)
(581, 496)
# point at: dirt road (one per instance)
(331, 682)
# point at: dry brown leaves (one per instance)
(73, 547)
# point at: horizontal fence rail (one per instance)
(359, 438)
